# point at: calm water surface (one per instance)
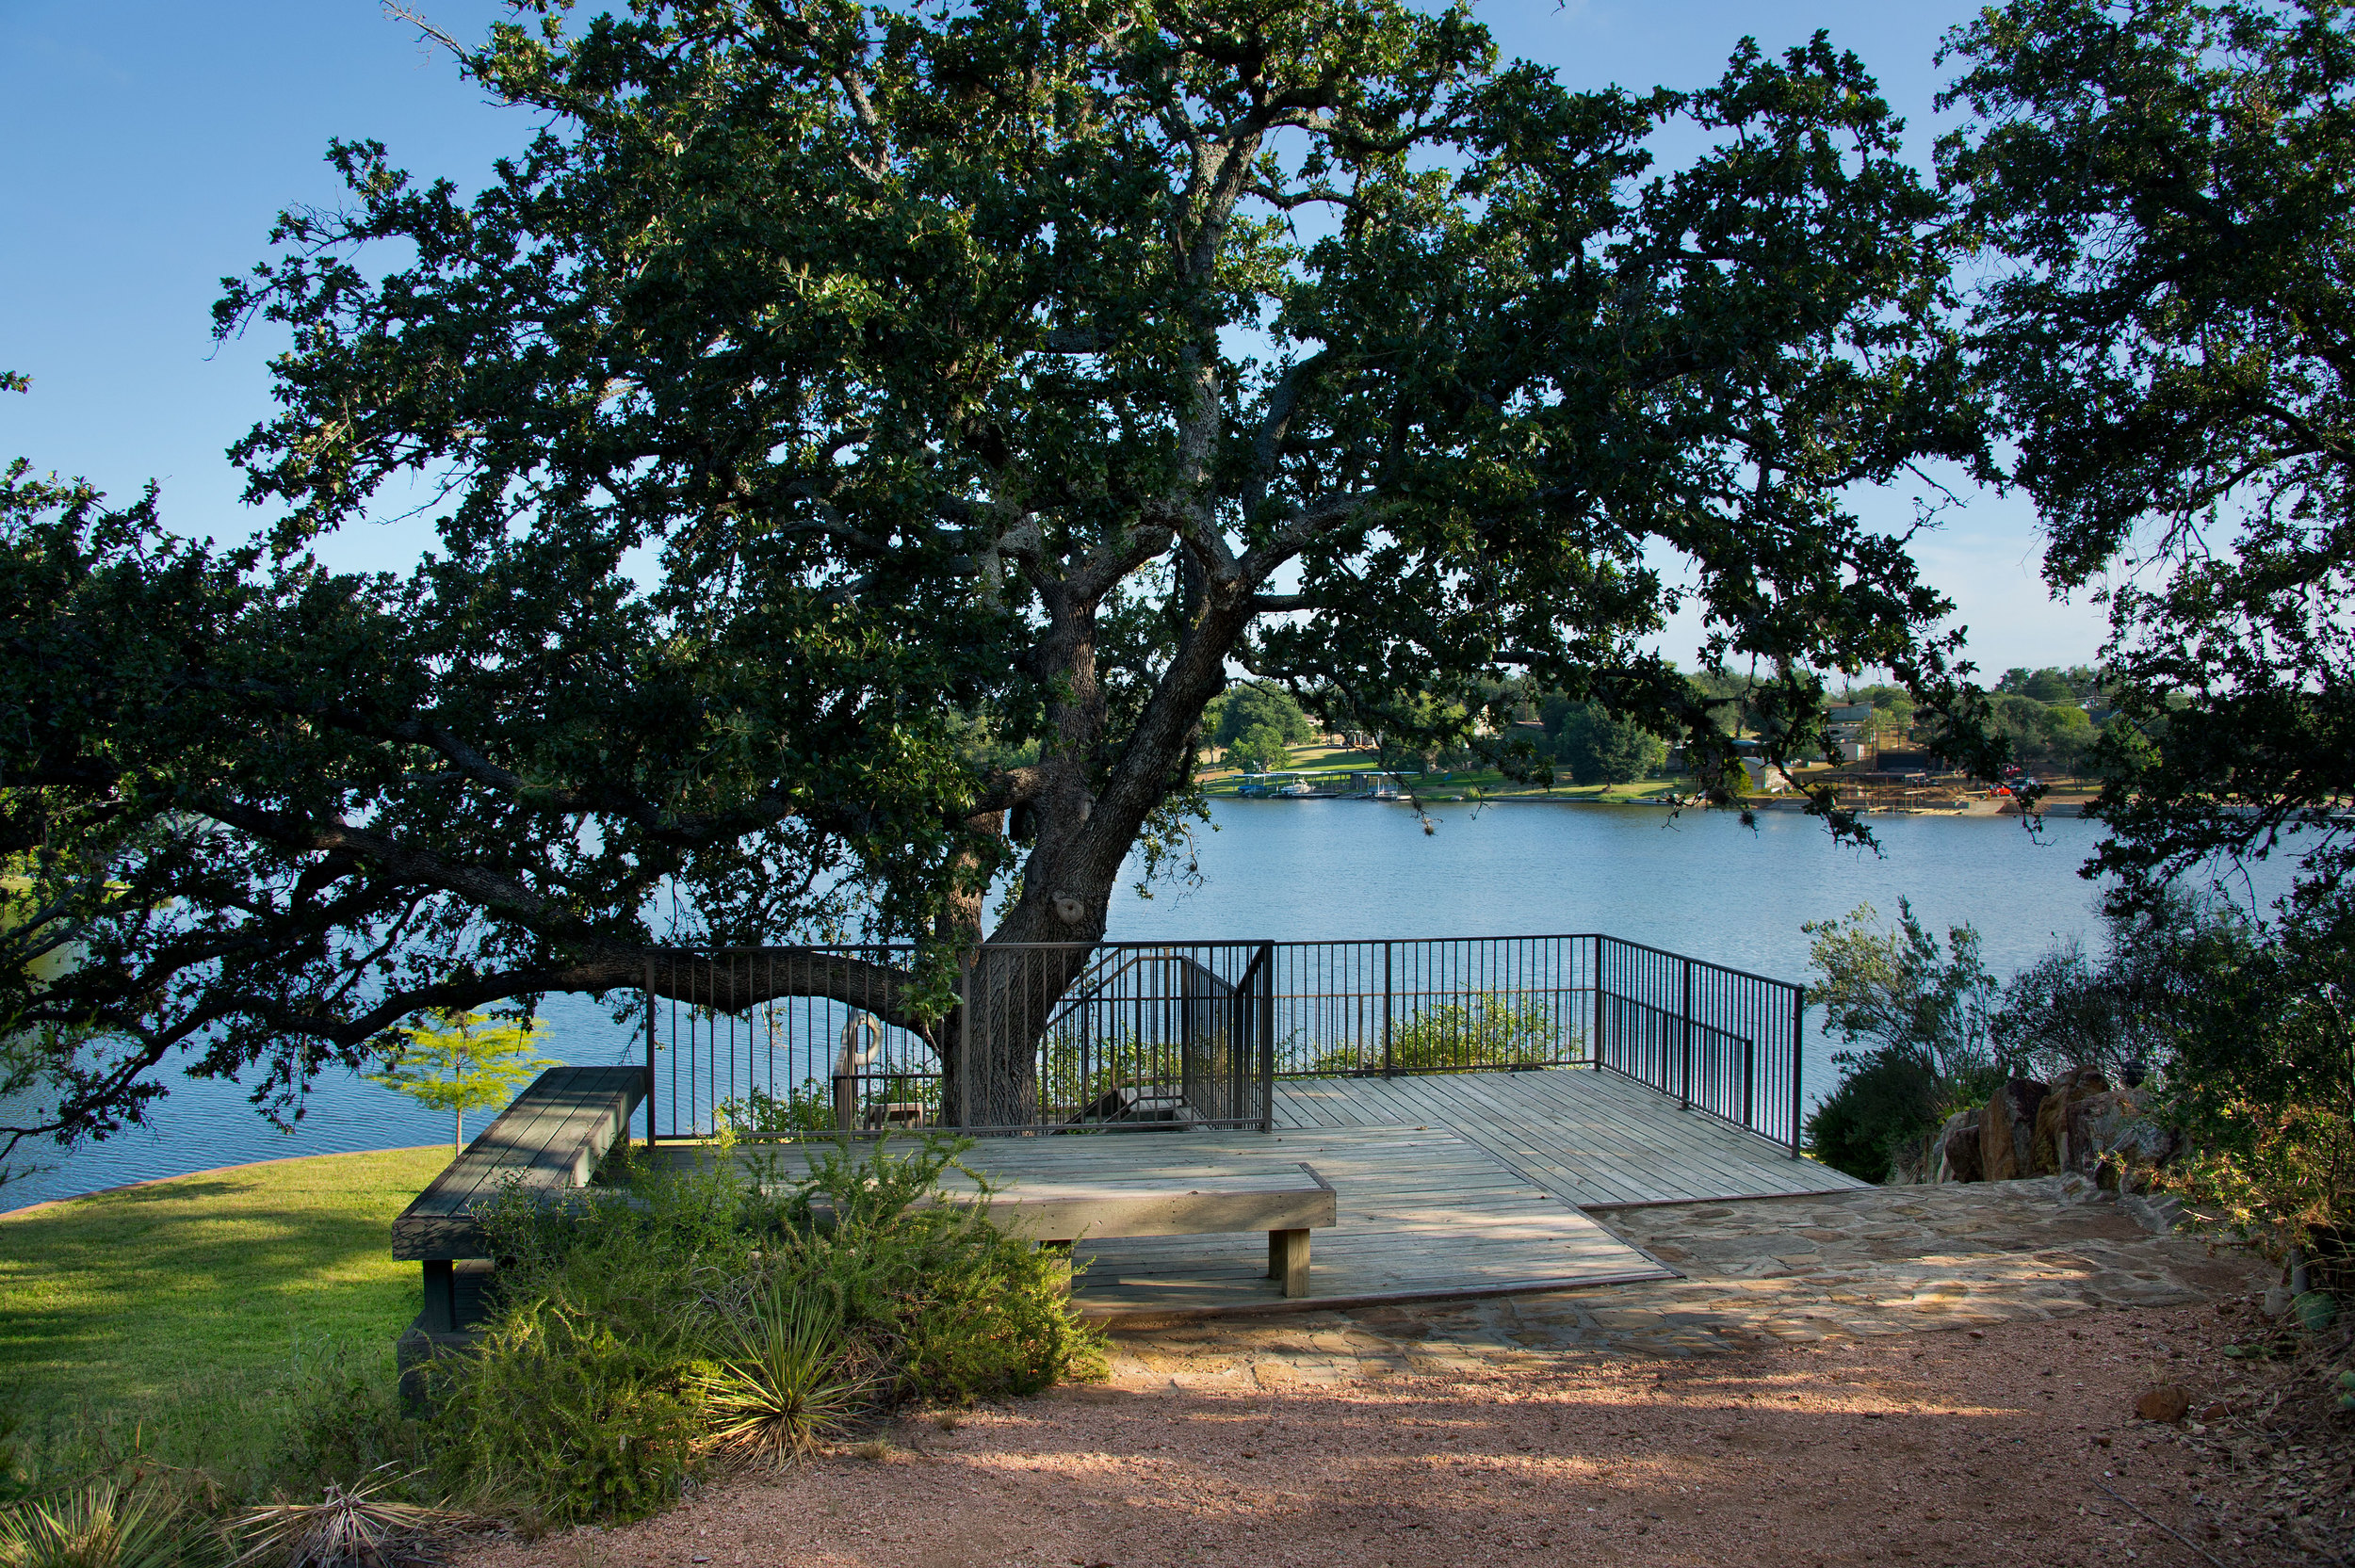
(1699, 883)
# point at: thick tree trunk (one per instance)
(1023, 972)
(1087, 816)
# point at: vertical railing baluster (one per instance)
(1386, 1069)
(1594, 1045)
(653, 1131)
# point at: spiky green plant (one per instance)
(354, 1527)
(101, 1524)
(781, 1382)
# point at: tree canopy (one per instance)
(833, 407)
(2168, 192)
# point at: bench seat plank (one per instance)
(1067, 1209)
(549, 1139)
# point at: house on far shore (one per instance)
(1851, 727)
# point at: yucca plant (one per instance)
(354, 1527)
(781, 1382)
(101, 1524)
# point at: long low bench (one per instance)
(548, 1140)
(1059, 1211)
(551, 1139)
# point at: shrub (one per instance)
(105, 1523)
(564, 1417)
(343, 1424)
(959, 1308)
(667, 1316)
(2133, 1003)
(807, 1110)
(1918, 1021)
(1492, 1029)
(1887, 1107)
(796, 1113)
(2262, 1082)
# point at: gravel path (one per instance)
(1836, 1418)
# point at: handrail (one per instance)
(1723, 1041)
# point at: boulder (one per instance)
(1958, 1148)
(2006, 1128)
(2048, 1144)
(2092, 1125)
(2107, 1137)
(2157, 1215)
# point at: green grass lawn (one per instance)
(184, 1303)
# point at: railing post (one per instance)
(1798, 1035)
(1749, 1087)
(1684, 1043)
(1596, 1047)
(651, 1133)
(1385, 1009)
(965, 1039)
(1267, 1036)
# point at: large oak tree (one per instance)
(860, 442)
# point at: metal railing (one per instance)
(1134, 1035)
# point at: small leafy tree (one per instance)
(470, 1061)
(1918, 1021)
(1598, 749)
(1259, 750)
(1262, 705)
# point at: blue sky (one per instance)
(148, 146)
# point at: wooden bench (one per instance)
(1056, 1210)
(548, 1140)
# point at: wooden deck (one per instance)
(1423, 1215)
(1595, 1139)
(1454, 1184)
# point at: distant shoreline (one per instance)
(1994, 810)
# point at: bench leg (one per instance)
(441, 1295)
(1288, 1260)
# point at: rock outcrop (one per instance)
(2077, 1125)
(2109, 1137)
(2006, 1128)
(2048, 1144)
(1958, 1148)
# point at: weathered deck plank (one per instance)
(1596, 1139)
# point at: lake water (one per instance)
(1699, 883)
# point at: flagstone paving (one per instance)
(1757, 1272)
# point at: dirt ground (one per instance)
(2005, 1433)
